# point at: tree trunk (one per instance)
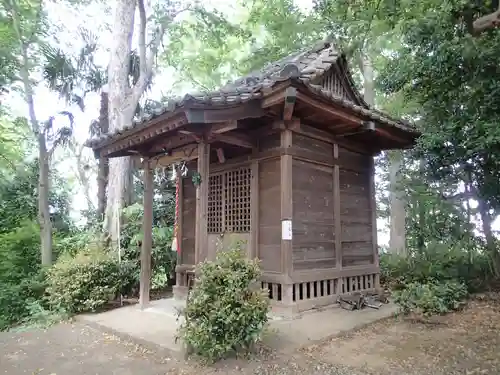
(121, 111)
(103, 163)
(82, 175)
(43, 202)
(397, 239)
(488, 234)
(421, 212)
(43, 155)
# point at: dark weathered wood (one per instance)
(224, 127)
(202, 202)
(251, 109)
(336, 209)
(133, 138)
(290, 98)
(329, 110)
(373, 208)
(239, 140)
(269, 236)
(180, 231)
(220, 156)
(254, 210)
(185, 153)
(147, 241)
(286, 208)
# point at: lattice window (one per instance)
(237, 207)
(229, 202)
(215, 204)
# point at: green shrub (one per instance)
(163, 258)
(19, 253)
(16, 298)
(437, 262)
(225, 311)
(21, 282)
(430, 298)
(85, 282)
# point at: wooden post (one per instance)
(373, 208)
(201, 233)
(180, 233)
(337, 219)
(286, 214)
(254, 212)
(147, 242)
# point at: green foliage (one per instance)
(163, 258)
(19, 253)
(225, 311)
(85, 282)
(438, 262)
(431, 298)
(19, 199)
(20, 278)
(437, 279)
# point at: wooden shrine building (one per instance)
(283, 160)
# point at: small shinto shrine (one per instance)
(282, 160)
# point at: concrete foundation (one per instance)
(157, 325)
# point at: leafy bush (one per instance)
(21, 281)
(225, 312)
(85, 282)
(430, 298)
(19, 253)
(163, 258)
(438, 262)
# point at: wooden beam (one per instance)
(224, 127)
(290, 98)
(292, 124)
(201, 231)
(220, 155)
(141, 135)
(250, 109)
(147, 241)
(334, 112)
(185, 153)
(170, 143)
(235, 139)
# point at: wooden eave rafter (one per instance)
(131, 141)
(352, 123)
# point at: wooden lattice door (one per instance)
(229, 207)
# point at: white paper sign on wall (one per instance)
(286, 230)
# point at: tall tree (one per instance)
(28, 21)
(124, 95)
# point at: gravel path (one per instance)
(462, 343)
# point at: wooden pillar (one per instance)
(147, 242)
(254, 212)
(373, 208)
(286, 215)
(337, 219)
(201, 233)
(180, 199)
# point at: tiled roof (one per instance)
(304, 66)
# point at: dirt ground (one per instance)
(467, 342)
